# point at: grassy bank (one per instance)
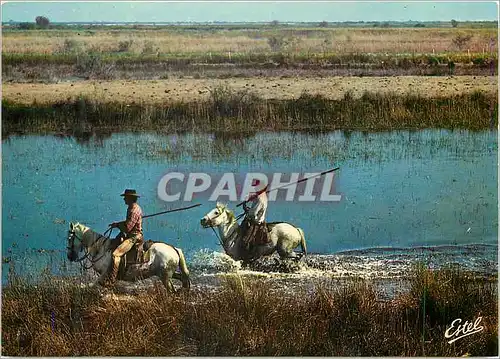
(91, 65)
(226, 110)
(57, 74)
(251, 318)
(259, 60)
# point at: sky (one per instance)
(251, 11)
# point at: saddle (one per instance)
(135, 256)
(255, 234)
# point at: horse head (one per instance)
(75, 245)
(218, 216)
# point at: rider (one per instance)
(254, 225)
(131, 229)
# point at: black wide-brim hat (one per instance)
(130, 192)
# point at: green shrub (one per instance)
(125, 45)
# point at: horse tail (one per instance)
(302, 241)
(186, 283)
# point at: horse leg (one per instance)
(285, 252)
(171, 287)
(105, 277)
(184, 278)
(167, 280)
(263, 250)
(186, 282)
(302, 242)
(288, 242)
(184, 275)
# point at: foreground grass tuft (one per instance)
(251, 318)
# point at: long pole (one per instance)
(172, 210)
(286, 185)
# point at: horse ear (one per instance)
(71, 226)
(221, 206)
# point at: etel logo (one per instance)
(462, 330)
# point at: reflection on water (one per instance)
(399, 189)
(87, 137)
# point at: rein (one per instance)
(239, 216)
(230, 236)
(106, 235)
(217, 235)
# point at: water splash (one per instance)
(206, 260)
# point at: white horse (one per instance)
(162, 259)
(284, 237)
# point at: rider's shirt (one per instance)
(133, 223)
(257, 209)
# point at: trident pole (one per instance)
(172, 210)
(286, 185)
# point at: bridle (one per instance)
(71, 238)
(210, 224)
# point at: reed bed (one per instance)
(251, 59)
(57, 74)
(235, 111)
(25, 67)
(249, 317)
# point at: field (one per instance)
(296, 40)
(207, 52)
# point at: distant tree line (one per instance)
(41, 22)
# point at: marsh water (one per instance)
(406, 196)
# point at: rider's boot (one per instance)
(114, 271)
(265, 232)
(246, 234)
(248, 237)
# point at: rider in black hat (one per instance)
(131, 229)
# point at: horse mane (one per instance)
(230, 213)
(87, 231)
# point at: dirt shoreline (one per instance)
(191, 89)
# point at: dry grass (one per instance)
(234, 111)
(342, 40)
(52, 55)
(250, 318)
(174, 90)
